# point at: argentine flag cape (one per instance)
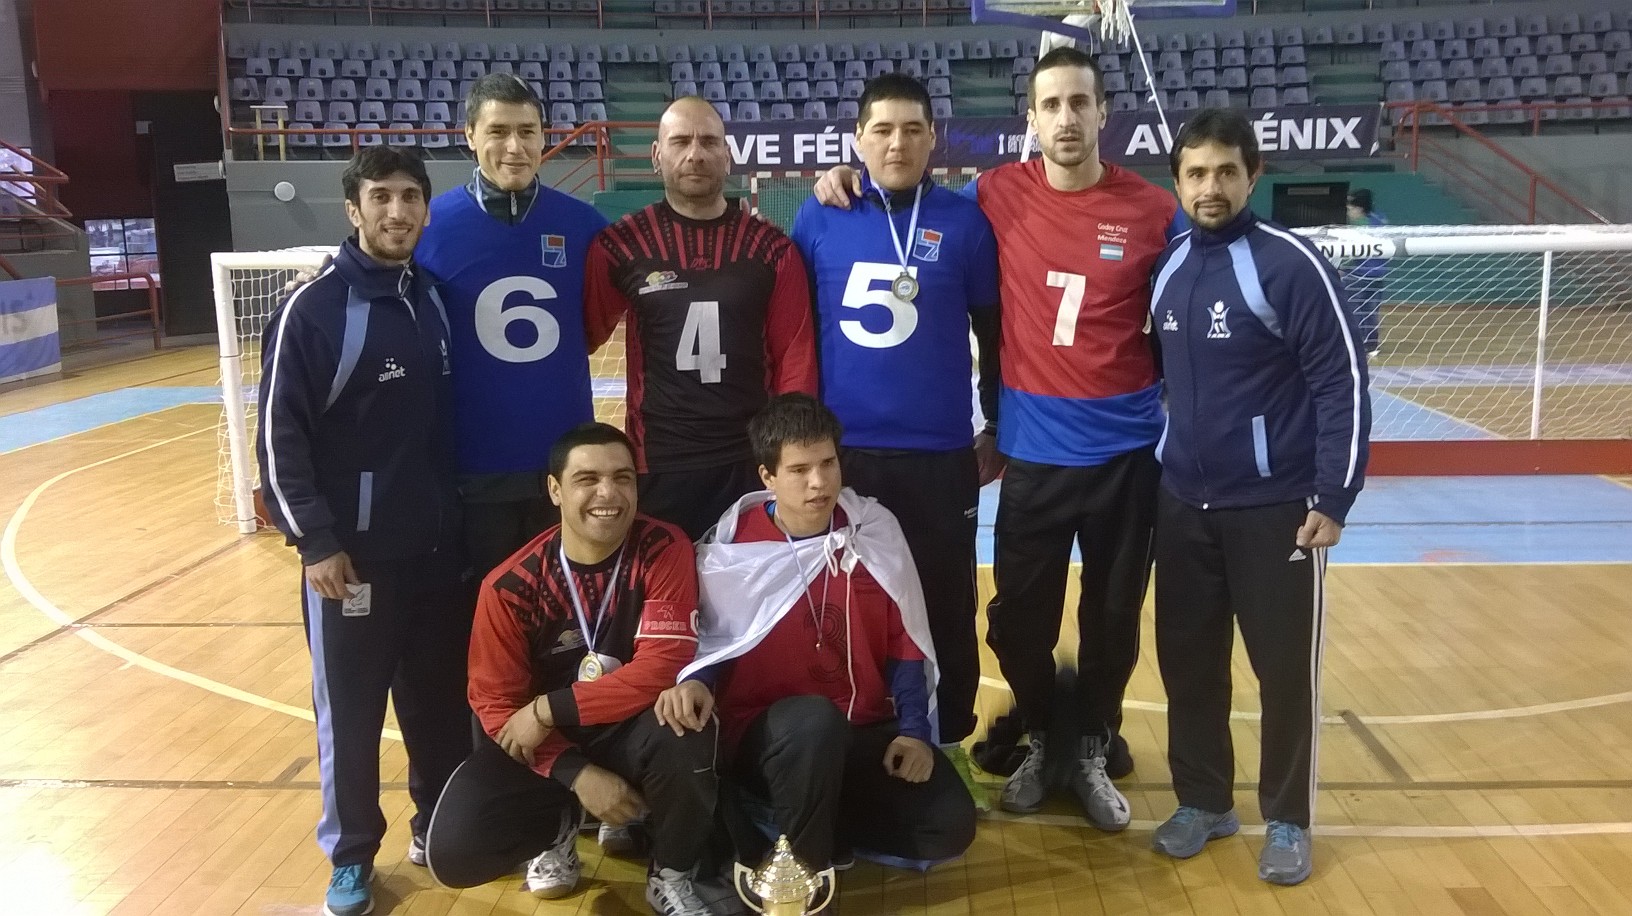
(746, 589)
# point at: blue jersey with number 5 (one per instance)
(515, 298)
(897, 372)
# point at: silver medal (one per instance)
(590, 668)
(905, 287)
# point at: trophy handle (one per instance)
(830, 885)
(742, 889)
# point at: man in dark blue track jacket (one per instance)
(1264, 452)
(357, 468)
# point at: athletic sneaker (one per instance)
(617, 841)
(1119, 760)
(1025, 789)
(416, 850)
(1101, 800)
(1287, 857)
(960, 761)
(1182, 835)
(556, 871)
(671, 893)
(349, 893)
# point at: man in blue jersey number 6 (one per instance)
(510, 253)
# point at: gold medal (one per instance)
(905, 287)
(590, 668)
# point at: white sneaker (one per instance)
(671, 893)
(416, 850)
(1025, 789)
(555, 872)
(1101, 800)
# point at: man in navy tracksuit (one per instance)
(1264, 452)
(356, 455)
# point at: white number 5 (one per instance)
(700, 343)
(1065, 321)
(859, 293)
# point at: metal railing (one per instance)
(1506, 182)
(151, 312)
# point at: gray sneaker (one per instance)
(1101, 800)
(1287, 857)
(1025, 789)
(671, 893)
(1182, 835)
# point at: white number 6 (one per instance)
(493, 319)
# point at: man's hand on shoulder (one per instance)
(909, 759)
(837, 186)
(606, 796)
(685, 706)
(306, 276)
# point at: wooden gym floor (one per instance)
(156, 750)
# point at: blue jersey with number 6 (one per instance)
(898, 372)
(515, 297)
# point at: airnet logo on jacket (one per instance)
(392, 370)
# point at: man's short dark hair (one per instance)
(500, 87)
(377, 163)
(892, 86)
(1227, 127)
(1065, 56)
(585, 434)
(791, 418)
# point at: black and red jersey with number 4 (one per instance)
(719, 320)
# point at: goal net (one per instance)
(1487, 332)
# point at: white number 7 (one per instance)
(700, 343)
(1065, 321)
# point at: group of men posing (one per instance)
(800, 408)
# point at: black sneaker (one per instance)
(1118, 759)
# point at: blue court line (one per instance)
(1525, 519)
(31, 427)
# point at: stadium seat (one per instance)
(843, 52)
(940, 108)
(1467, 90)
(1110, 63)
(1216, 98)
(746, 110)
(1602, 85)
(1293, 76)
(1264, 97)
(321, 68)
(1424, 49)
(1599, 22)
(714, 91)
(1496, 66)
(592, 54)
(1549, 44)
(1617, 41)
(980, 49)
(683, 88)
(1175, 41)
(851, 89)
(440, 91)
(825, 90)
(1622, 62)
(880, 67)
(1395, 70)
(850, 110)
(782, 111)
(1568, 87)
(1349, 33)
(563, 53)
(1558, 65)
(1500, 89)
(1461, 69)
(1582, 42)
(1379, 32)
(1453, 49)
(1470, 28)
(277, 89)
(246, 89)
(413, 69)
(1261, 57)
(371, 110)
(1292, 54)
(1525, 66)
(914, 67)
(292, 67)
(855, 70)
(789, 53)
(557, 92)
(952, 50)
(900, 50)
(1125, 101)
(938, 67)
(798, 91)
(444, 70)
(1400, 92)
(823, 70)
(1262, 76)
(1427, 70)
(1532, 88)
(1173, 79)
(738, 92)
(590, 92)
(1204, 59)
(258, 67)
(676, 52)
(939, 87)
(1295, 95)
(311, 88)
(472, 69)
(1620, 111)
(343, 112)
(1204, 41)
(733, 54)
(646, 53)
(1203, 79)
(681, 70)
(1232, 78)
(770, 91)
(1533, 24)
(1186, 100)
(382, 69)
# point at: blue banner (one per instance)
(29, 344)
(1295, 133)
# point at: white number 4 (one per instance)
(1065, 321)
(700, 343)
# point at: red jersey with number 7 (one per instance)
(1079, 376)
(719, 320)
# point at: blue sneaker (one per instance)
(1287, 857)
(349, 893)
(1182, 835)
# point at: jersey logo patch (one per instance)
(1218, 329)
(1110, 251)
(659, 280)
(927, 247)
(555, 250)
(1170, 323)
(392, 370)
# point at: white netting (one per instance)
(248, 287)
(1494, 331)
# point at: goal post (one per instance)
(247, 287)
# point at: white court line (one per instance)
(8, 557)
(1475, 831)
(1474, 715)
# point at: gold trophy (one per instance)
(784, 885)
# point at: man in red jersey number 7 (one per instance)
(1079, 415)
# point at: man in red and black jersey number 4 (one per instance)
(575, 636)
(719, 321)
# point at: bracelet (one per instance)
(536, 717)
